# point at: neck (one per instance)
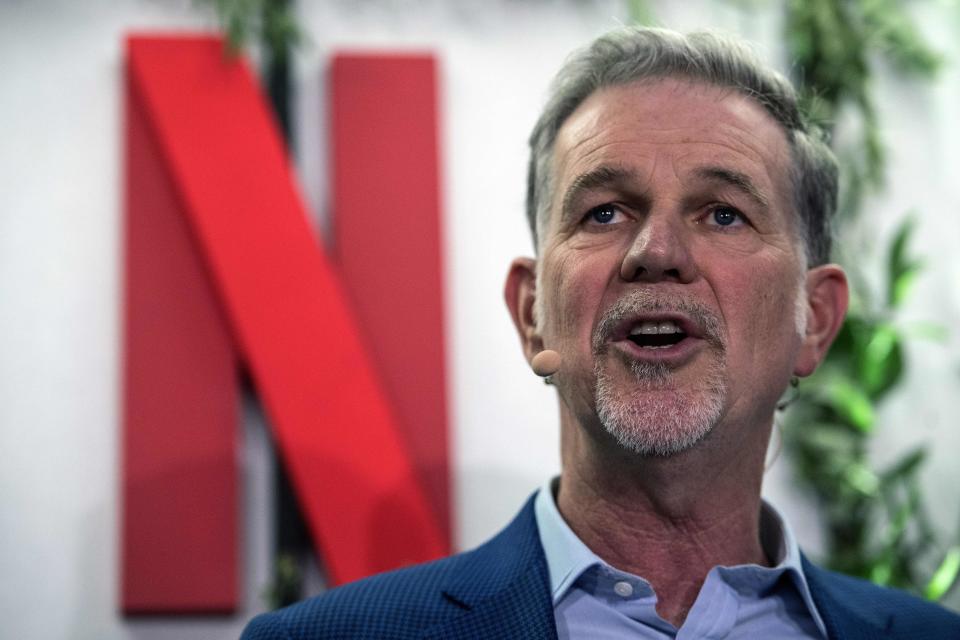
(669, 520)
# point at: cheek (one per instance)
(573, 296)
(762, 313)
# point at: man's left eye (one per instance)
(724, 217)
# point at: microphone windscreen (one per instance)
(546, 363)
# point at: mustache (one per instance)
(643, 301)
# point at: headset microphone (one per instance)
(546, 363)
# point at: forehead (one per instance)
(677, 125)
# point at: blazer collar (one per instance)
(503, 587)
(845, 616)
(503, 590)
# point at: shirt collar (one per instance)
(568, 557)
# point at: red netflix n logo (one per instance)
(222, 268)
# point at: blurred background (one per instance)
(868, 472)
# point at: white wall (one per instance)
(60, 131)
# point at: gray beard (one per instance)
(652, 417)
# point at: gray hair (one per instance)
(635, 53)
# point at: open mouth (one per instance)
(656, 335)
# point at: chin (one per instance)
(651, 417)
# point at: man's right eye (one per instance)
(603, 215)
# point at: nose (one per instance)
(659, 252)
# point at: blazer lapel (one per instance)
(516, 612)
(503, 588)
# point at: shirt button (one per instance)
(624, 589)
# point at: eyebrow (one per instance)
(739, 181)
(606, 176)
(598, 178)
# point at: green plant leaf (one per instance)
(903, 284)
(850, 403)
(905, 467)
(881, 361)
(841, 351)
(895, 34)
(287, 581)
(639, 12)
(862, 479)
(945, 576)
(899, 522)
(902, 270)
(281, 33)
(829, 438)
(926, 330)
(881, 572)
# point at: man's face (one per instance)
(670, 270)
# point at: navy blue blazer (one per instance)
(502, 590)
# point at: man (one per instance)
(680, 208)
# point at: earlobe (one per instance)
(520, 293)
(827, 296)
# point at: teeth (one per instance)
(651, 328)
(667, 326)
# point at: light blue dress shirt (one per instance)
(592, 599)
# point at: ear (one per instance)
(520, 293)
(827, 297)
